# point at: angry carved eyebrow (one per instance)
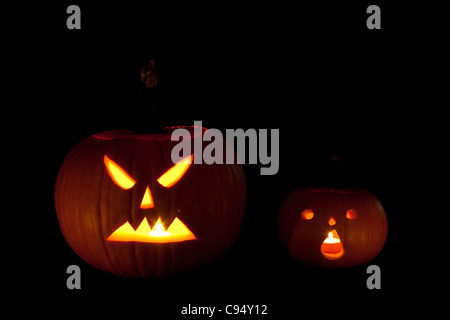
(171, 176)
(118, 175)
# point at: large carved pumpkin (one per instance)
(124, 207)
(329, 227)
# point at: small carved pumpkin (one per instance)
(328, 227)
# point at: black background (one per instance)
(314, 71)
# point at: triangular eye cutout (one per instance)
(171, 176)
(118, 175)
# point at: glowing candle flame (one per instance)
(158, 230)
(332, 248)
(159, 227)
(331, 238)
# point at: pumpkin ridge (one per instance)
(136, 260)
(171, 245)
(80, 214)
(99, 214)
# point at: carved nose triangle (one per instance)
(331, 221)
(147, 200)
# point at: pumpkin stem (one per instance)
(148, 101)
(149, 75)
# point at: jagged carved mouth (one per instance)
(176, 232)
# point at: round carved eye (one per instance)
(351, 214)
(307, 214)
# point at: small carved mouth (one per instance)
(332, 248)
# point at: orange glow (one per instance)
(351, 214)
(331, 239)
(144, 227)
(147, 200)
(175, 173)
(332, 248)
(118, 175)
(331, 221)
(307, 214)
(176, 232)
(158, 230)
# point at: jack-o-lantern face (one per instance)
(331, 227)
(177, 231)
(126, 208)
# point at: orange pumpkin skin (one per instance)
(362, 238)
(209, 199)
